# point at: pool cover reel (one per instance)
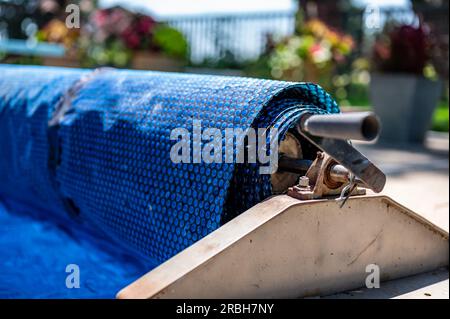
(86, 176)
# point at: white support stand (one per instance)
(288, 248)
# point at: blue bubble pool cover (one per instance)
(86, 176)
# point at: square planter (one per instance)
(405, 105)
(65, 61)
(156, 62)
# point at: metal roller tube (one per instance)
(293, 165)
(363, 126)
(339, 173)
(336, 173)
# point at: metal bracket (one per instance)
(349, 157)
(317, 182)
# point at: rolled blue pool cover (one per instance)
(89, 151)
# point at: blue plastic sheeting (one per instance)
(105, 166)
(35, 252)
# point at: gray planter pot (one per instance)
(405, 105)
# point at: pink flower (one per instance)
(316, 48)
(100, 18)
(320, 53)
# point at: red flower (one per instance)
(407, 50)
(145, 24)
(131, 38)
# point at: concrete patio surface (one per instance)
(418, 178)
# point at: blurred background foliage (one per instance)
(327, 42)
(106, 37)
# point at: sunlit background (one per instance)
(338, 44)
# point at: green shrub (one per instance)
(171, 41)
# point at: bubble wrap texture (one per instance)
(114, 167)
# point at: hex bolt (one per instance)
(303, 181)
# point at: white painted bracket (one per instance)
(287, 248)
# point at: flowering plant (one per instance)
(135, 31)
(112, 36)
(55, 31)
(310, 54)
(404, 49)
